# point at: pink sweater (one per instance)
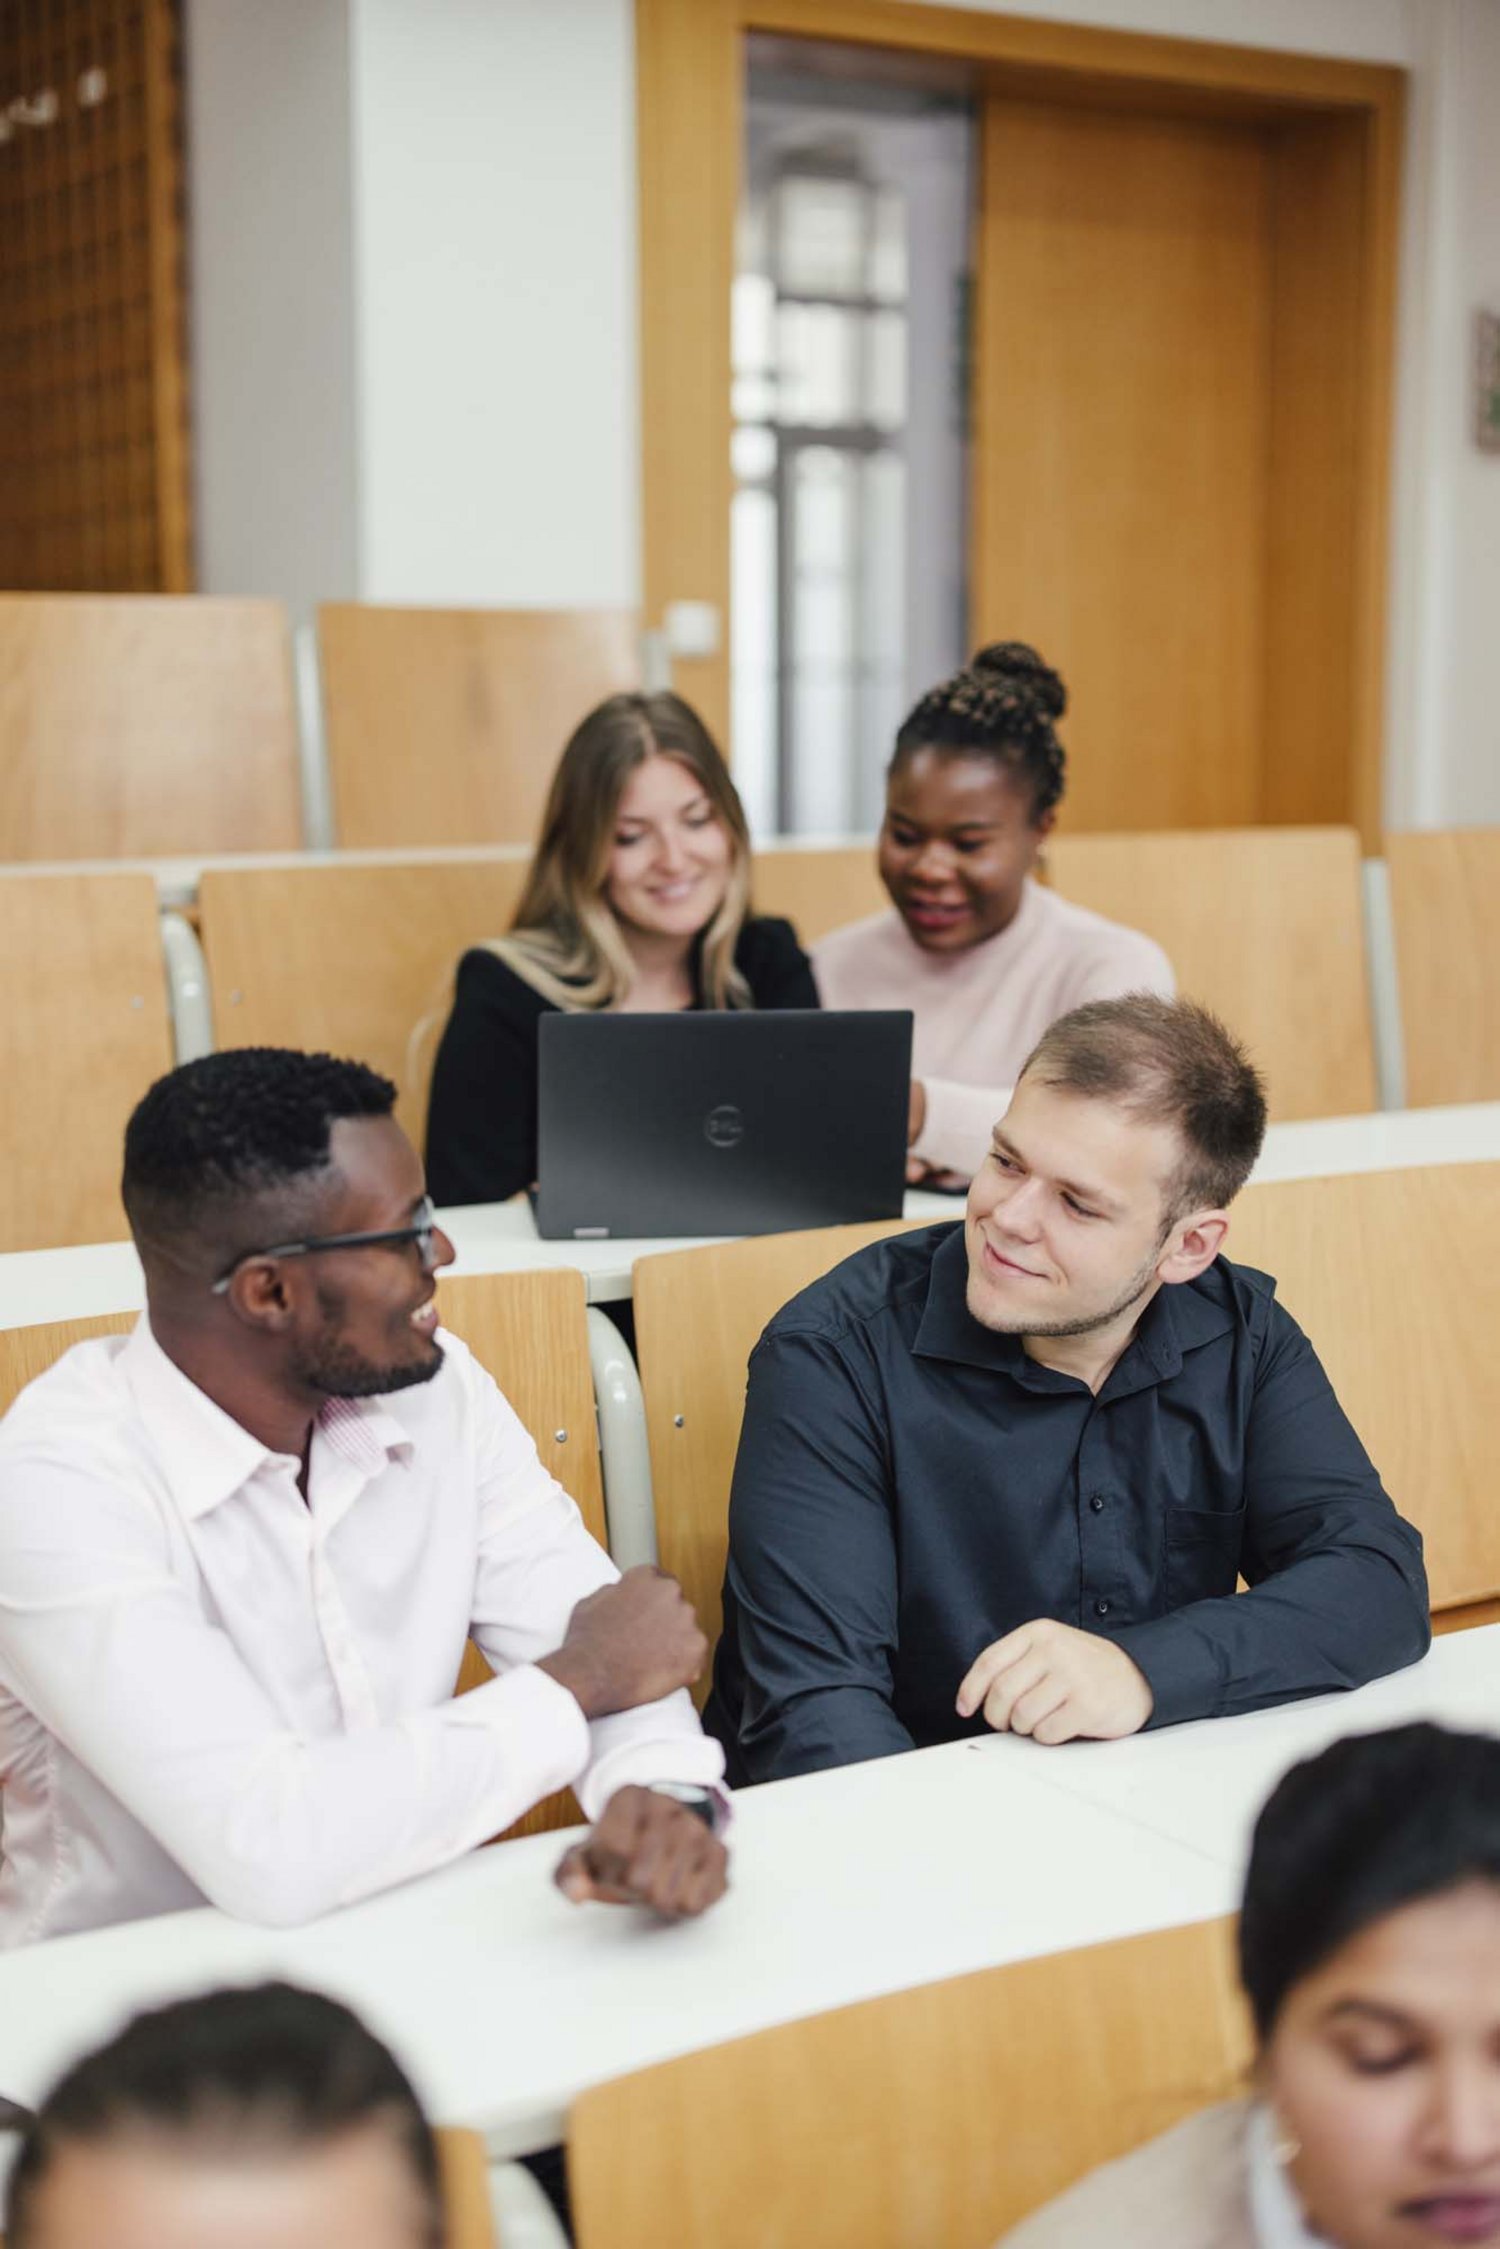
(980, 1013)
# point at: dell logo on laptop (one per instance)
(724, 1127)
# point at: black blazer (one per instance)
(481, 1119)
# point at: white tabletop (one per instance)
(1202, 1785)
(72, 1284)
(505, 2002)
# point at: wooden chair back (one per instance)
(84, 1029)
(698, 1316)
(1445, 907)
(820, 888)
(27, 1352)
(463, 2161)
(354, 960)
(1266, 926)
(933, 2119)
(445, 725)
(1366, 1265)
(529, 1330)
(145, 726)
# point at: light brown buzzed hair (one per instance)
(1167, 1062)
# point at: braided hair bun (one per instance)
(1002, 706)
(1024, 669)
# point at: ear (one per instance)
(1192, 1246)
(1043, 825)
(260, 1297)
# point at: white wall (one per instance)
(1444, 765)
(494, 193)
(271, 298)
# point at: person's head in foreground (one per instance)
(282, 1220)
(233, 2121)
(644, 849)
(1369, 1951)
(1370, 1954)
(1134, 1125)
(971, 796)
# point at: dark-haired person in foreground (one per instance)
(1369, 1950)
(241, 1550)
(231, 2121)
(1006, 1473)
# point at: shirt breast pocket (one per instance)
(1202, 1553)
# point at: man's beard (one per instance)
(1134, 1289)
(334, 1368)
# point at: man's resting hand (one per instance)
(1056, 1683)
(629, 1643)
(646, 1849)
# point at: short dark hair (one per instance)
(1001, 705)
(1171, 1062)
(1377, 1822)
(271, 2063)
(214, 1134)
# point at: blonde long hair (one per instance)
(565, 940)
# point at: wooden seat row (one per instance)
(1265, 925)
(159, 728)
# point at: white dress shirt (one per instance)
(213, 1690)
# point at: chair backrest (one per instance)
(445, 725)
(819, 888)
(1366, 1265)
(529, 1330)
(698, 1315)
(353, 960)
(1445, 907)
(937, 2117)
(464, 2162)
(1263, 924)
(27, 1352)
(145, 726)
(84, 1029)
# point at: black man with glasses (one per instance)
(241, 1550)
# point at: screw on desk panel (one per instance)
(559, 1436)
(678, 1419)
(236, 999)
(136, 1000)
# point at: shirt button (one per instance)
(1101, 1608)
(1096, 1502)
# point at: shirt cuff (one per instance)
(546, 1735)
(689, 1758)
(956, 1129)
(1181, 1665)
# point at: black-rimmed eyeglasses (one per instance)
(421, 1231)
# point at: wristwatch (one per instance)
(701, 1802)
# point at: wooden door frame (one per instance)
(690, 134)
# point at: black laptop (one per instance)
(721, 1122)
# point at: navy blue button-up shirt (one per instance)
(910, 1486)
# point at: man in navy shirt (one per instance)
(1008, 1473)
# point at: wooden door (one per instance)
(1122, 410)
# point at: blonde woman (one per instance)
(638, 899)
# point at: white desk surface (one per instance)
(505, 2002)
(71, 1284)
(1202, 1785)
